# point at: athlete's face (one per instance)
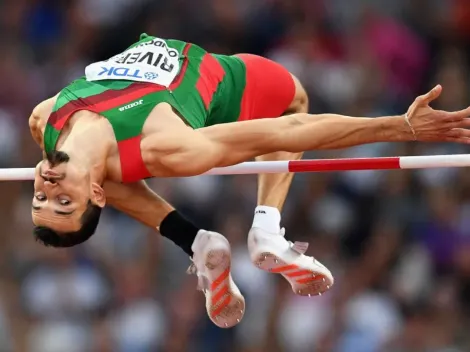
(61, 193)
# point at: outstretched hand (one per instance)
(429, 125)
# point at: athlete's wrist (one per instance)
(393, 129)
(180, 230)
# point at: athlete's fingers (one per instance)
(427, 98)
(458, 133)
(457, 115)
(461, 140)
(464, 123)
(424, 100)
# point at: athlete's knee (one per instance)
(300, 102)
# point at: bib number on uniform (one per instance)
(151, 62)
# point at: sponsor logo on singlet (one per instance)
(118, 72)
(131, 105)
(152, 62)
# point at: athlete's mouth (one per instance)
(51, 176)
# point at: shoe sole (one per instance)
(304, 281)
(225, 306)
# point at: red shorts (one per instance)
(269, 91)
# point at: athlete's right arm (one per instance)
(181, 151)
(184, 152)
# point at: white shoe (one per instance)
(211, 263)
(273, 253)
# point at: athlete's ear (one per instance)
(98, 196)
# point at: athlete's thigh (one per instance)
(271, 90)
(300, 102)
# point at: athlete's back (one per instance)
(204, 89)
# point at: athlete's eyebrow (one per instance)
(55, 211)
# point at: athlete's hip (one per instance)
(255, 87)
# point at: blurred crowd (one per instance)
(397, 242)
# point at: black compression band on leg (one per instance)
(178, 229)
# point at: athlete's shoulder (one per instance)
(42, 111)
(38, 119)
(45, 107)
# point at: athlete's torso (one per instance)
(203, 88)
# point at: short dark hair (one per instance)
(89, 221)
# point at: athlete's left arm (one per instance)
(138, 201)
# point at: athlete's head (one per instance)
(66, 205)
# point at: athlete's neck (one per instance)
(87, 141)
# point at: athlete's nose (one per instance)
(50, 184)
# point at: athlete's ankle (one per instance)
(267, 218)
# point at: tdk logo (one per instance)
(132, 105)
(120, 72)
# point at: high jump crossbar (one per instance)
(313, 165)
